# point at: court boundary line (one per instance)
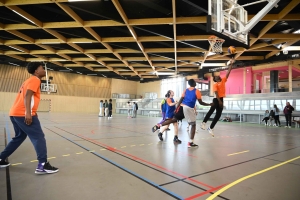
(230, 166)
(249, 176)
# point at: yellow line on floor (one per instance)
(92, 151)
(79, 153)
(50, 158)
(132, 145)
(249, 176)
(141, 144)
(102, 149)
(16, 164)
(123, 147)
(237, 153)
(34, 161)
(66, 155)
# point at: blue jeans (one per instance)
(35, 134)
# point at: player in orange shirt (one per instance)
(26, 123)
(220, 92)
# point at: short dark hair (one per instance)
(32, 66)
(192, 82)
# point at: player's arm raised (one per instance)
(229, 69)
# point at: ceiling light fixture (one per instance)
(140, 46)
(16, 48)
(14, 64)
(132, 34)
(23, 16)
(90, 56)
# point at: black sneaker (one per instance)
(176, 140)
(46, 169)
(4, 164)
(160, 136)
(191, 144)
(155, 128)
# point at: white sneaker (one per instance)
(203, 125)
(290, 127)
(266, 124)
(211, 131)
(285, 126)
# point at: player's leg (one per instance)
(216, 119)
(209, 113)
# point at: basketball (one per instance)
(231, 50)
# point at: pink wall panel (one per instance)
(235, 82)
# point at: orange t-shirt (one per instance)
(220, 87)
(18, 108)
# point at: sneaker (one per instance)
(290, 127)
(3, 163)
(191, 144)
(177, 140)
(46, 169)
(285, 126)
(211, 132)
(160, 136)
(203, 125)
(266, 124)
(155, 128)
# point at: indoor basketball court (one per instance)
(96, 50)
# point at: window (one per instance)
(176, 84)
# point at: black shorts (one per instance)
(179, 113)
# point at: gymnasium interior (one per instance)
(135, 51)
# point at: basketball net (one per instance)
(216, 44)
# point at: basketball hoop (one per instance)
(216, 44)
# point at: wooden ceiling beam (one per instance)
(21, 35)
(24, 14)
(280, 36)
(17, 57)
(271, 17)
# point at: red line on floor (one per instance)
(92, 131)
(204, 193)
(157, 166)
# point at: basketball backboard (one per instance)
(229, 20)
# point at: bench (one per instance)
(153, 113)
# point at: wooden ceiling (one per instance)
(134, 39)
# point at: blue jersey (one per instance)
(190, 98)
(170, 109)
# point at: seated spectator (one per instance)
(226, 119)
(266, 117)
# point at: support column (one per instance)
(290, 76)
(273, 81)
